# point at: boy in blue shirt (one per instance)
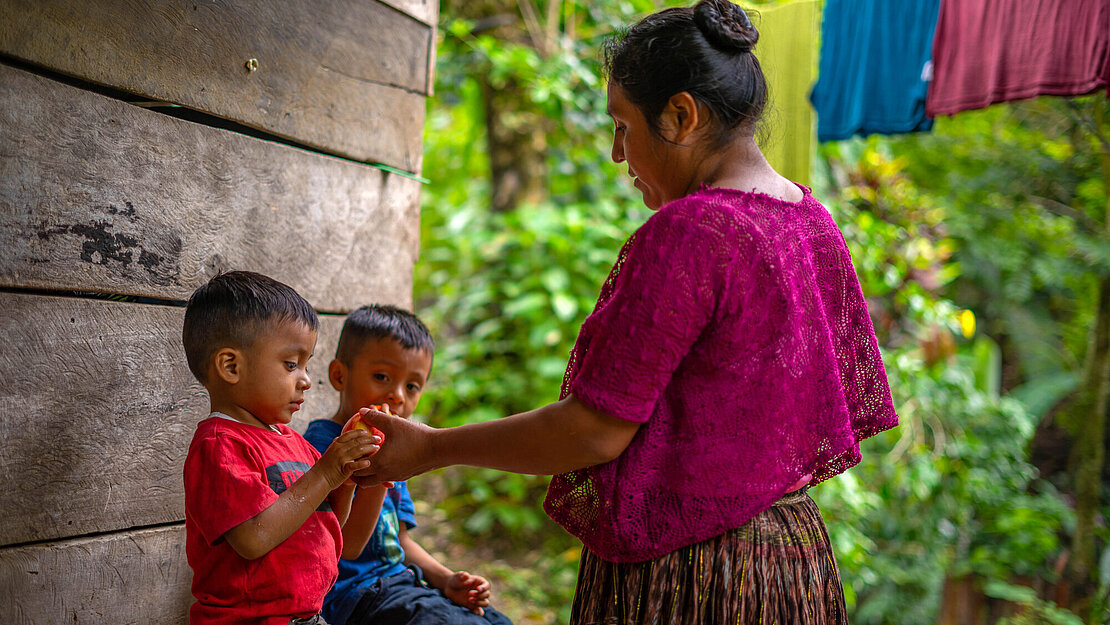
(384, 357)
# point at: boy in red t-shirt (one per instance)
(263, 508)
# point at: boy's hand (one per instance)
(348, 453)
(469, 591)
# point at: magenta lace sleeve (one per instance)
(663, 298)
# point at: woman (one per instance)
(729, 361)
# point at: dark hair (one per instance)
(705, 50)
(232, 309)
(382, 321)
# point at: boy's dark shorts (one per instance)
(405, 599)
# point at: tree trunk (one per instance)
(1090, 448)
(517, 139)
(1092, 407)
(516, 128)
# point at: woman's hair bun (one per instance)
(725, 26)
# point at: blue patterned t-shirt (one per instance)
(382, 557)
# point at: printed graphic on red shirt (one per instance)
(281, 476)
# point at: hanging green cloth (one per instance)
(787, 51)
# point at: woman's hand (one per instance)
(556, 438)
(407, 453)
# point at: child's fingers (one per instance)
(478, 598)
(361, 445)
(361, 454)
(365, 450)
(354, 436)
(351, 466)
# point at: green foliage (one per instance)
(505, 330)
(1026, 190)
(504, 293)
(949, 492)
(1026, 198)
(564, 82)
(1033, 610)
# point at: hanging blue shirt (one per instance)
(875, 67)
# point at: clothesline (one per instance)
(890, 67)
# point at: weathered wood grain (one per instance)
(344, 76)
(139, 577)
(97, 411)
(99, 195)
(426, 11)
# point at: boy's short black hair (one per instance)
(231, 309)
(382, 321)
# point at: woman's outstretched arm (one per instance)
(556, 438)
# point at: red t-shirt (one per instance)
(233, 472)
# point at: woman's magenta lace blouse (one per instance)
(733, 327)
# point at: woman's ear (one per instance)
(337, 374)
(681, 117)
(228, 363)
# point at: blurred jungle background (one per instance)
(983, 250)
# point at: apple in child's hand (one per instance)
(356, 423)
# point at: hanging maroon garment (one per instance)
(989, 51)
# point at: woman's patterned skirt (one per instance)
(778, 569)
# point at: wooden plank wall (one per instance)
(345, 76)
(103, 196)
